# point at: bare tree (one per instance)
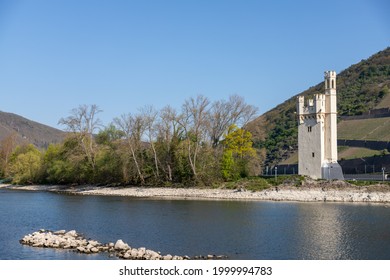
(149, 117)
(169, 134)
(133, 129)
(223, 114)
(83, 122)
(195, 118)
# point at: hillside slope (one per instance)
(360, 88)
(27, 131)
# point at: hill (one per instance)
(27, 131)
(361, 87)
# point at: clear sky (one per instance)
(122, 55)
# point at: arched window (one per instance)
(333, 84)
(327, 84)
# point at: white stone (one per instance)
(94, 250)
(72, 233)
(81, 249)
(120, 245)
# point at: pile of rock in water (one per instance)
(72, 240)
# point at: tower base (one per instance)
(332, 171)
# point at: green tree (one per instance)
(7, 147)
(26, 165)
(237, 153)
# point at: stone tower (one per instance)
(317, 133)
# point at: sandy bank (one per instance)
(309, 192)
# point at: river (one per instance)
(237, 229)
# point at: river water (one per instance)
(238, 229)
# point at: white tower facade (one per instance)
(317, 133)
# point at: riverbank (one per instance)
(312, 191)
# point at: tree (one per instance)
(195, 121)
(26, 165)
(149, 116)
(223, 114)
(109, 159)
(169, 134)
(238, 151)
(133, 128)
(7, 147)
(83, 122)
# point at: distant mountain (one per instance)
(360, 88)
(27, 131)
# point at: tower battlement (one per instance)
(315, 105)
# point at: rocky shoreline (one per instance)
(337, 191)
(71, 240)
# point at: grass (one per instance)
(367, 129)
(367, 183)
(385, 102)
(354, 152)
(293, 159)
(263, 183)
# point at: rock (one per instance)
(221, 257)
(134, 253)
(67, 240)
(120, 245)
(72, 233)
(140, 254)
(80, 249)
(93, 243)
(94, 250)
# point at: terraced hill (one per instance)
(377, 129)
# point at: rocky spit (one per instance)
(71, 240)
(315, 191)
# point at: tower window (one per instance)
(312, 154)
(309, 129)
(332, 83)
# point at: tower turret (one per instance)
(330, 117)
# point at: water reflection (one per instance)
(241, 230)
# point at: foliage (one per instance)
(237, 153)
(26, 165)
(7, 147)
(148, 147)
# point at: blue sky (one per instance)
(122, 55)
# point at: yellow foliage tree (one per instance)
(238, 151)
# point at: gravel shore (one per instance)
(309, 192)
